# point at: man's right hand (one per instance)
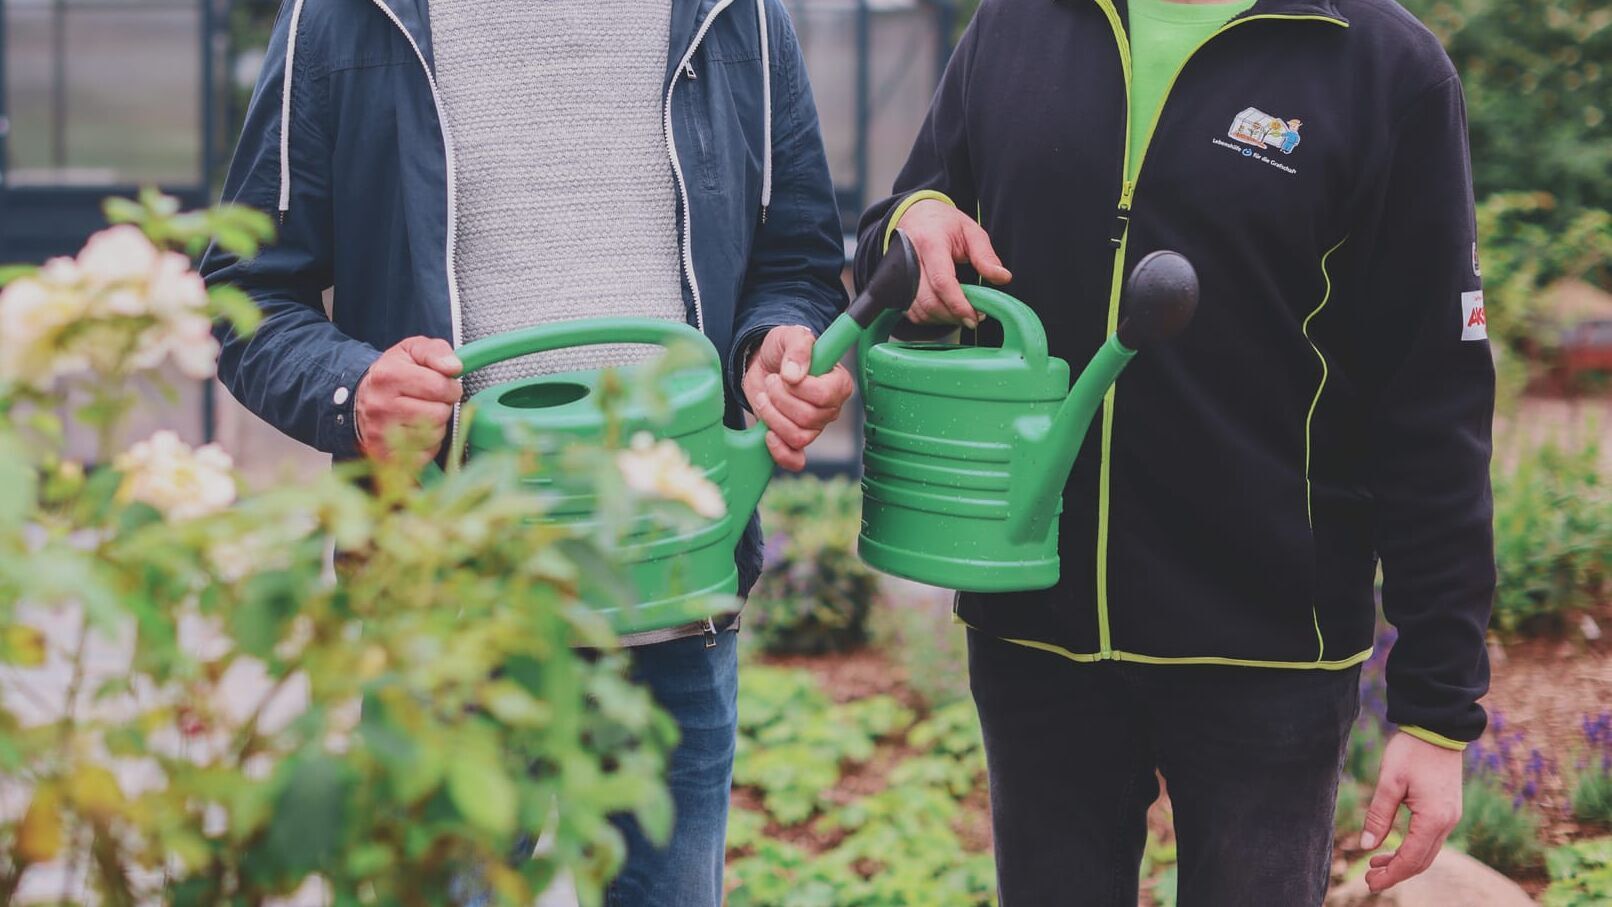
(944, 237)
(408, 393)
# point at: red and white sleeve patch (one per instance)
(1474, 326)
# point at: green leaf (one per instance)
(309, 815)
(481, 790)
(8, 273)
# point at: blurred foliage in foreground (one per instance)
(181, 673)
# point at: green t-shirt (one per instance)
(1163, 34)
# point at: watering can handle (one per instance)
(1021, 329)
(560, 335)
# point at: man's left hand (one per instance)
(1427, 780)
(795, 405)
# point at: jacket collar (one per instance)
(415, 17)
(1325, 9)
(687, 16)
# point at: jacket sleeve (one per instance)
(793, 276)
(1430, 387)
(938, 166)
(297, 372)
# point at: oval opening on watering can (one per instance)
(543, 394)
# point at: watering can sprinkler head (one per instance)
(1161, 296)
(894, 284)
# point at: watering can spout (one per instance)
(1160, 298)
(892, 287)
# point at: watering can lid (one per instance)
(966, 372)
(568, 402)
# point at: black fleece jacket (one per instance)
(1329, 407)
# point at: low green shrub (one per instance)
(1592, 793)
(1552, 547)
(1496, 828)
(918, 630)
(897, 846)
(815, 594)
(1581, 874)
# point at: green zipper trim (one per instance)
(1309, 418)
(1427, 736)
(1127, 193)
(1121, 655)
(1309, 508)
(1340, 664)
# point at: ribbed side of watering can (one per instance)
(681, 573)
(942, 430)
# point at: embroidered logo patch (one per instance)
(1474, 326)
(1257, 128)
(1256, 131)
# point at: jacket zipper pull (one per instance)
(1122, 216)
(688, 69)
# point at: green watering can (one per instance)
(968, 448)
(681, 575)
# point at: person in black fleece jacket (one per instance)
(1328, 411)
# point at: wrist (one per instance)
(1432, 737)
(906, 205)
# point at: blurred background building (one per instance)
(100, 97)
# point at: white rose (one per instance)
(61, 271)
(32, 316)
(175, 288)
(194, 351)
(661, 469)
(118, 254)
(180, 482)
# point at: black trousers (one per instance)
(1251, 756)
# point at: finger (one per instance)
(434, 354)
(828, 390)
(425, 384)
(788, 457)
(1422, 842)
(982, 256)
(1380, 860)
(780, 424)
(804, 413)
(940, 272)
(1380, 813)
(797, 353)
(926, 308)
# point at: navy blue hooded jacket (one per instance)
(345, 142)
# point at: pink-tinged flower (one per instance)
(180, 482)
(61, 271)
(118, 254)
(175, 288)
(661, 469)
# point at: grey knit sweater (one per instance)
(567, 206)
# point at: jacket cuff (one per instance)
(1427, 736)
(337, 417)
(739, 359)
(901, 209)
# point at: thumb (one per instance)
(797, 353)
(1380, 814)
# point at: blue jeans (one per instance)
(1251, 756)
(699, 685)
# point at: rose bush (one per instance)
(357, 687)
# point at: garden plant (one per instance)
(199, 706)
